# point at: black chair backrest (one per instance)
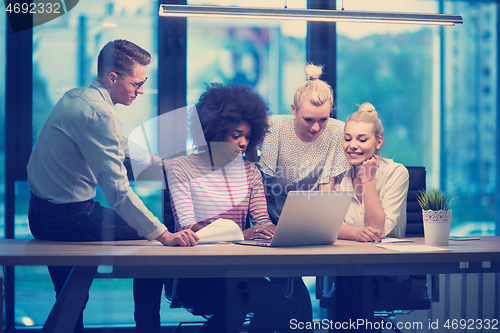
(414, 222)
(168, 214)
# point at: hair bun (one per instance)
(367, 107)
(313, 72)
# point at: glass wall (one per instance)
(435, 89)
(3, 25)
(470, 136)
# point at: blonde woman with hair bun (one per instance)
(380, 184)
(377, 210)
(302, 151)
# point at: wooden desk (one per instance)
(129, 259)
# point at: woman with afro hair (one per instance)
(217, 182)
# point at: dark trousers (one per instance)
(358, 297)
(89, 221)
(298, 300)
(229, 300)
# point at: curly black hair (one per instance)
(224, 106)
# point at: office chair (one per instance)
(170, 285)
(167, 213)
(414, 221)
(418, 298)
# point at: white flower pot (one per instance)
(437, 226)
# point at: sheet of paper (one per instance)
(395, 240)
(464, 238)
(221, 230)
(215, 244)
(412, 248)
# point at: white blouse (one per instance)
(391, 181)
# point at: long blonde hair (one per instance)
(314, 90)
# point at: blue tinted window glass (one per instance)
(393, 67)
(3, 52)
(267, 55)
(470, 138)
(435, 96)
(65, 54)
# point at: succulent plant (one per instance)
(434, 200)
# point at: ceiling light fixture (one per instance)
(308, 15)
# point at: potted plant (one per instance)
(436, 214)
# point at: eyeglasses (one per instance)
(136, 85)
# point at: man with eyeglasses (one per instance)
(81, 146)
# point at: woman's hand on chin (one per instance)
(368, 169)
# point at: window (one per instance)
(435, 89)
(393, 67)
(3, 53)
(267, 55)
(440, 117)
(470, 139)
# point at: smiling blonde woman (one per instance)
(378, 208)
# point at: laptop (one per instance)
(308, 218)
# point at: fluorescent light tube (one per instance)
(308, 15)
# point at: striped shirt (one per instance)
(202, 194)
